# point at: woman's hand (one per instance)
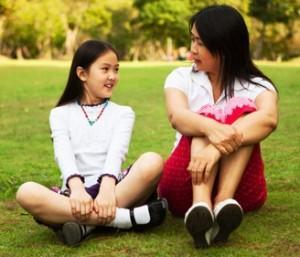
(202, 162)
(81, 202)
(105, 202)
(225, 138)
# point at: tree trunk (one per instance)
(259, 46)
(70, 43)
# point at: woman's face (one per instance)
(100, 78)
(202, 57)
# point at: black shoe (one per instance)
(198, 221)
(157, 210)
(229, 216)
(72, 233)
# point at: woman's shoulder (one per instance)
(266, 84)
(182, 71)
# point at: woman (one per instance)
(222, 108)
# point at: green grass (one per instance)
(28, 92)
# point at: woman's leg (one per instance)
(176, 184)
(199, 217)
(228, 212)
(231, 172)
(203, 191)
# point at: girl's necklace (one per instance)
(92, 122)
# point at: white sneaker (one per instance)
(198, 221)
(228, 217)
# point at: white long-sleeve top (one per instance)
(90, 151)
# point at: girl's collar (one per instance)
(92, 105)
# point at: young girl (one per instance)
(91, 135)
(221, 107)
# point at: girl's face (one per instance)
(100, 78)
(202, 57)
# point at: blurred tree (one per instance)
(161, 21)
(33, 28)
(122, 33)
(84, 19)
(272, 13)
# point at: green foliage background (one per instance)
(140, 29)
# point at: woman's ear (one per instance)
(81, 73)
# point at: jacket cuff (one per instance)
(74, 176)
(107, 175)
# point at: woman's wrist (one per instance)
(208, 126)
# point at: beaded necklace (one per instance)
(92, 122)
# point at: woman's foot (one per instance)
(228, 217)
(198, 221)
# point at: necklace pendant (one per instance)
(91, 122)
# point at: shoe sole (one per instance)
(71, 233)
(229, 218)
(198, 222)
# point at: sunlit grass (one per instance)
(28, 92)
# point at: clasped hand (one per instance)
(225, 138)
(82, 206)
(203, 160)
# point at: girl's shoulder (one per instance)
(63, 110)
(121, 109)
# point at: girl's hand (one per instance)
(202, 163)
(81, 202)
(105, 202)
(225, 138)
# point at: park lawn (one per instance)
(28, 92)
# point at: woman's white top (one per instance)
(91, 151)
(198, 89)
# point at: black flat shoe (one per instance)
(157, 210)
(72, 233)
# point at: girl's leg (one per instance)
(53, 208)
(46, 205)
(141, 181)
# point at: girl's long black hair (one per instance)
(85, 55)
(224, 33)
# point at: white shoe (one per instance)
(198, 220)
(228, 216)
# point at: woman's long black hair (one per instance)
(223, 31)
(85, 55)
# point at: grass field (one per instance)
(29, 91)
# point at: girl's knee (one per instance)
(152, 165)
(27, 194)
(153, 160)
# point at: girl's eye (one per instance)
(105, 68)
